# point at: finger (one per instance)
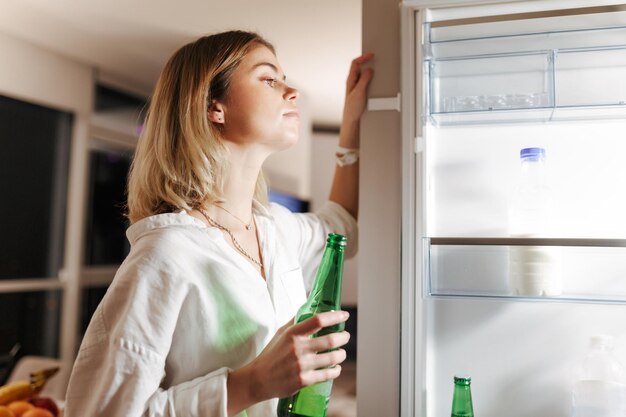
(355, 69)
(321, 375)
(363, 80)
(318, 322)
(363, 58)
(329, 341)
(324, 360)
(366, 77)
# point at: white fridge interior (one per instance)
(488, 88)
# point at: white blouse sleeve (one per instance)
(121, 362)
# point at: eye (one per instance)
(271, 82)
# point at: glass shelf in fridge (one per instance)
(587, 270)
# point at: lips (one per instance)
(293, 113)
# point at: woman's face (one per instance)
(260, 107)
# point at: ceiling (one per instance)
(130, 40)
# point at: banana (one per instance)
(20, 390)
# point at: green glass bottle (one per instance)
(462, 399)
(312, 401)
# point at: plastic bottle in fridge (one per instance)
(599, 389)
(533, 270)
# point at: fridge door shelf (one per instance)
(522, 36)
(586, 270)
(536, 115)
(475, 81)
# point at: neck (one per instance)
(245, 166)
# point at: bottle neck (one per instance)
(533, 170)
(462, 401)
(327, 288)
(601, 349)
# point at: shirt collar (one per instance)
(181, 218)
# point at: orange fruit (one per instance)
(6, 411)
(20, 407)
(38, 412)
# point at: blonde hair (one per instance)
(180, 160)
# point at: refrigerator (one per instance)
(480, 82)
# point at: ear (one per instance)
(216, 112)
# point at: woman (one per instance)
(191, 325)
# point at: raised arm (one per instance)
(345, 186)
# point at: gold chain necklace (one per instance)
(248, 225)
(212, 222)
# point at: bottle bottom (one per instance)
(593, 398)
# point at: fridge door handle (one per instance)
(384, 103)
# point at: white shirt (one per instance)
(185, 308)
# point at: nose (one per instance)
(291, 93)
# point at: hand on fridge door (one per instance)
(290, 361)
(345, 187)
(356, 91)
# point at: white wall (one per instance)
(38, 76)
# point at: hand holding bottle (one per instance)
(290, 361)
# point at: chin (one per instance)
(286, 144)
(289, 139)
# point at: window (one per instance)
(33, 184)
(105, 242)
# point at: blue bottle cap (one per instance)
(533, 154)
